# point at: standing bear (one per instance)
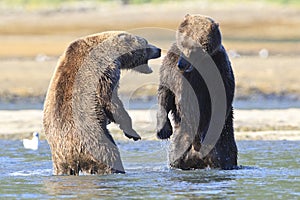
(82, 99)
(196, 91)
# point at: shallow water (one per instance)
(151, 103)
(271, 170)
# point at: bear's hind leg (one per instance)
(226, 146)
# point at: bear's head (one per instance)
(197, 33)
(136, 52)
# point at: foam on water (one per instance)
(38, 172)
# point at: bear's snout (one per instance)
(184, 65)
(153, 52)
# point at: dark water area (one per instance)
(270, 170)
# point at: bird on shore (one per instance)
(32, 144)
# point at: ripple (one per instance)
(38, 172)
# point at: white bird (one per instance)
(263, 53)
(32, 144)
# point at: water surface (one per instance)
(270, 170)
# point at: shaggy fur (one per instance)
(82, 99)
(184, 93)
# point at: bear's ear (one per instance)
(125, 37)
(122, 36)
(214, 26)
(187, 16)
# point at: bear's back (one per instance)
(59, 95)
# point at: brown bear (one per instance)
(82, 99)
(197, 89)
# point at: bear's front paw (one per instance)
(165, 132)
(132, 135)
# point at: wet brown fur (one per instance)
(193, 32)
(82, 99)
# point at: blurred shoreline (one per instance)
(271, 82)
(248, 124)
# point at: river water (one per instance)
(269, 170)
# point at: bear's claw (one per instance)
(165, 132)
(133, 135)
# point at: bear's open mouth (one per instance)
(144, 68)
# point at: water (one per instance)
(150, 102)
(270, 170)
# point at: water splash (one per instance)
(38, 172)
